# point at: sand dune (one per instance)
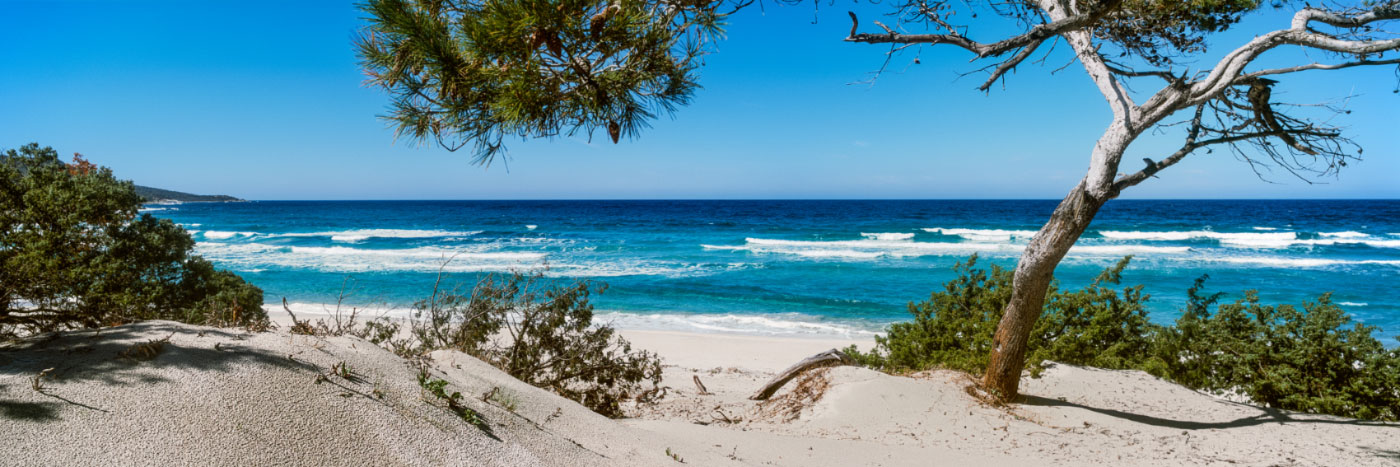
(222, 397)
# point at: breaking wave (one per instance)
(984, 234)
(360, 235)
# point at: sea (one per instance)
(808, 268)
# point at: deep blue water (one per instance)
(795, 267)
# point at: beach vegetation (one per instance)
(476, 73)
(461, 73)
(437, 388)
(146, 350)
(674, 456)
(1094, 326)
(540, 332)
(37, 381)
(343, 370)
(503, 398)
(1309, 358)
(75, 252)
(386, 333)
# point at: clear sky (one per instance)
(263, 100)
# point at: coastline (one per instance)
(275, 396)
(694, 350)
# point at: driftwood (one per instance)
(831, 357)
(298, 326)
(701, 386)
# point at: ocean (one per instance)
(793, 268)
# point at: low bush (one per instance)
(1094, 326)
(540, 332)
(1309, 359)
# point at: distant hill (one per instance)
(157, 194)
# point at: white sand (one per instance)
(1072, 416)
(223, 397)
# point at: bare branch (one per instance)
(1229, 70)
(1010, 64)
(1131, 73)
(1036, 34)
(1320, 66)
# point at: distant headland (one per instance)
(157, 195)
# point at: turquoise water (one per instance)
(802, 268)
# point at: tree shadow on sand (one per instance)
(105, 356)
(27, 411)
(1390, 454)
(1265, 416)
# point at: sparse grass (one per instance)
(505, 399)
(378, 391)
(674, 456)
(146, 350)
(343, 370)
(437, 387)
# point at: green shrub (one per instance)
(539, 332)
(953, 329)
(1309, 359)
(75, 252)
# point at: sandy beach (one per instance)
(226, 397)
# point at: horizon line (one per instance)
(771, 199)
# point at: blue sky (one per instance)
(264, 100)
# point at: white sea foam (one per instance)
(861, 249)
(985, 234)
(1224, 237)
(871, 249)
(530, 226)
(786, 324)
(888, 236)
(1371, 243)
(249, 256)
(222, 235)
(1265, 228)
(1352, 304)
(1119, 250)
(360, 235)
(344, 259)
(1256, 240)
(1301, 262)
(156, 209)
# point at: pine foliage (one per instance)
(480, 71)
(76, 252)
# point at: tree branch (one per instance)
(1229, 70)
(1010, 64)
(1319, 66)
(1035, 35)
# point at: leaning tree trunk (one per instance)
(1037, 265)
(1032, 280)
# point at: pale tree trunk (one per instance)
(1032, 280)
(1360, 44)
(1036, 267)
